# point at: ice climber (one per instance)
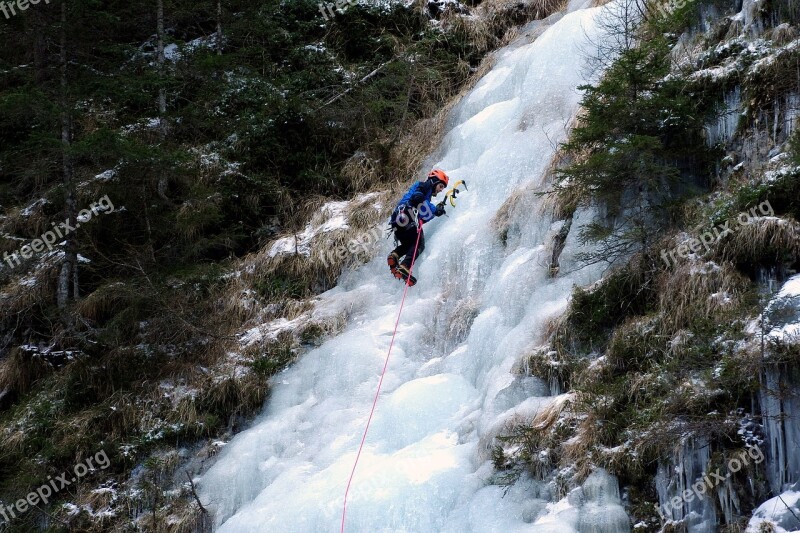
(412, 210)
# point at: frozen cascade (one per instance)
(723, 128)
(779, 402)
(691, 471)
(785, 111)
(779, 396)
(780, 408)
(426, 465)
(673, 479)
(602, 510)
(728, 500)
(791, 111)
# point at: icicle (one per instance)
(728, 500)
(790, 114)
(555, 386)
(602, 510)
(724, 126)
(777, 109)
(683, 493)
(780, 407)
(779, 396)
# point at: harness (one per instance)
(403, 215)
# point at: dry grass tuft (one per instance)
(239, 301)
(501, 222)
(629, 346)
(20, 370)
(28, 291)
(577, 451)
(547, 416)
(185, 517)
(306, 213)
(764, 240)
(695, 290)
(496, 17)
(106, 300)
(550, 366)
(29, 221)
(236, 394)
(361, 171)
(195, 216)
(783, 34)
(369, 212)
(478, 29)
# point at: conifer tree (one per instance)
(636, 147)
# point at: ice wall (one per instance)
(426, 465)
(779, 396)
(723, 127)
(674, 478)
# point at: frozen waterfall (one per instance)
(426, 465)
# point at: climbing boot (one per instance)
(404, 274)
(393, 260)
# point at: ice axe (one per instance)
(452, 194)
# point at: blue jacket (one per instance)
(419, 197)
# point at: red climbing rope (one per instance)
(380, 382)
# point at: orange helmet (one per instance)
(439, 175)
